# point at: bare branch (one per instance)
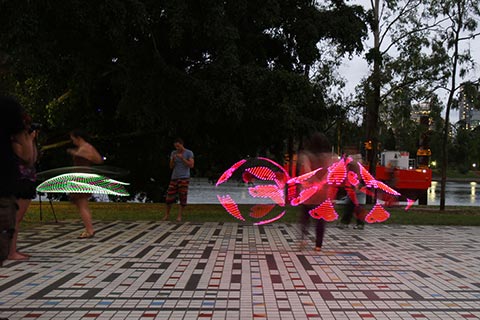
(469, 37)
(397, 40)
(404, 84)
(402, 12)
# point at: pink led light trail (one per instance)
(304, 196)
(262, 173)
(268, 191)
(227, 174)
(231, 207)
(377, 214)
(338, 175)
(410, 203)
(271, 220)
(325, 211)
(337, 172)
(261, 210)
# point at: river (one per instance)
(202, 192)
(457, 193)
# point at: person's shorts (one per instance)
(177, 187)
(26, 189)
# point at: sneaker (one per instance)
(343, 226)
(359, 226)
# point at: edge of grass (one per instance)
(64, 211)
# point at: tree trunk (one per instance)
(446, 131)
(373, 102)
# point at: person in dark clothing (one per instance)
(14, 128)
(25, 149)
(352, 207)
(317, 154)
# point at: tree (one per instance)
(230, 77)
(402, 59)
(459, 25)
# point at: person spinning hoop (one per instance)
(83, 155)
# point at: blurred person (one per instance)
(353, 206)
(14, 129)
(84, 154)
(316, 154)
(181, 161)
(25, 148)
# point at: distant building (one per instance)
(469, 117)
(421, 113)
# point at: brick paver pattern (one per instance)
(164, 270)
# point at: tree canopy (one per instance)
(230, 77)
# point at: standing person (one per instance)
(317, 154)
(25, 148)
(83, 155)
(12, 128)
(181, 161)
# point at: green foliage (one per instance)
(230, 77)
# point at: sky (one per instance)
(353, 70)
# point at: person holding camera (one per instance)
(181, 161)
(17, 151)
(25, 148)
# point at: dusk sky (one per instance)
(355, 69)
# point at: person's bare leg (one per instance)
(85, 214)
(166, 217)
(180, 213)
(23, 205)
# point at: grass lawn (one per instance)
(417, 215)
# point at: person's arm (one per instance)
(23, 145)
(189, 162)
(172, 160)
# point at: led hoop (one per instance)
(83, 183)
(227, 174)
(231, 207)
(261, 210)
(268, 191)
(338, 175)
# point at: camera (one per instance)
(34, 127)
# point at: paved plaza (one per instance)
(164, 270)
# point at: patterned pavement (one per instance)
(163, 270)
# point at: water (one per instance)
(456, 194)
(202, 192)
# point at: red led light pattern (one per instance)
(337, 172)
(231, 206)
(299, 190)
(270, 191)
(260, 210)
(377, 214)
(271, 220)
(227, 174)
(325, 211)
(304, 196)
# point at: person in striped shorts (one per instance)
(181, 161)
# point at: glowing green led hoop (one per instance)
(83, 183)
